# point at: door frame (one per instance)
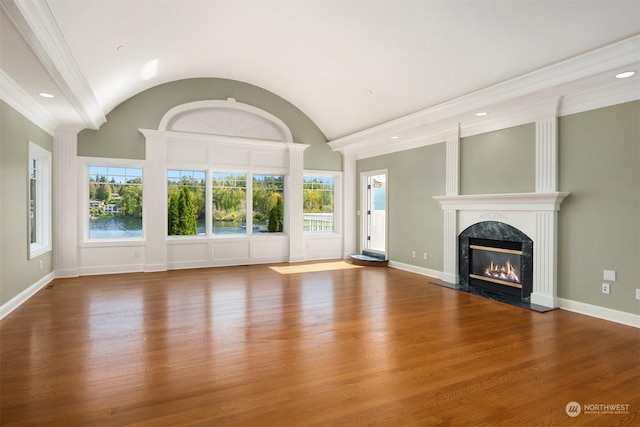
(364, 178)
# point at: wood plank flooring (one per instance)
(311, 344)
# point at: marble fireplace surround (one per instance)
(534, 214)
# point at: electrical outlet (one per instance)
(637, 293)
(606, 289)
(425, 255)
(41, 264)
(414, 254)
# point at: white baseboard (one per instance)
(604, 313)
(109, 269)
(73, 272)
(23, 296)
(418, 270)
(543, 300)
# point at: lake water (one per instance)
(115, 228)
(123, 228)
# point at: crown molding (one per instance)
(38, 27)
(20, 101)
(433, 120)
(616, 93)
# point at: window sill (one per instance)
(36, 250)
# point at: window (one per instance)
(318, 205)
(186, 202)
(39, 200)
(229, 203)
(268, 203)
(115, 202)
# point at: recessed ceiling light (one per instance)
(395, 137)
(481, 114)
(45, 95)
(625, 74)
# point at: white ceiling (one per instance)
(348, 65)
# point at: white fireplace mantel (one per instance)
(535, 214)
(504, 202)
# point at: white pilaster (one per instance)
(545, 250)
(451, 246)
(154, 203)
(453, 163)
(547, 147)
(349, 187)
(65, 175)
(295, 202)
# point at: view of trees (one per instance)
(229, 197)
(115, 192)
(318, 195)
(268, 202)
(186, 201)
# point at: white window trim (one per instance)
(337, 200)
(43, 243)
(83, 230)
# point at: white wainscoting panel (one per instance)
(111, 259)
(270, 248)
(322, 246)
(188, 254)
(231, 250)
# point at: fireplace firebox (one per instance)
(496, 257)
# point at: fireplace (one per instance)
(498, 258)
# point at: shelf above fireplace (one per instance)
(505, 202)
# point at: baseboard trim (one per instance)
(23, 296)
(604, 313)
(418, 270)
(110, 269)
(73, 272)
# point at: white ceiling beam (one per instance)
(38, 27)
(20, 101)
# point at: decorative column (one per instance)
(295, 202)
(452, 188)
(154, 202)
(349, 206)
(545, 248)
(545, 271)
(65, 176)
(547, 147)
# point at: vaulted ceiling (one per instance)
(348, 65)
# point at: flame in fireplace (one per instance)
(502, 272)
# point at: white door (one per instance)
(374, 209)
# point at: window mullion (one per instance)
(249, 199)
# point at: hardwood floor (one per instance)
(311, 344)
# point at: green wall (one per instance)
(17, 272)
(499, 162)
(119, 137)
(416, 221)
(599, 223)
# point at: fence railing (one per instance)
(318, 222)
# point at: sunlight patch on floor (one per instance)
(310, 268)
